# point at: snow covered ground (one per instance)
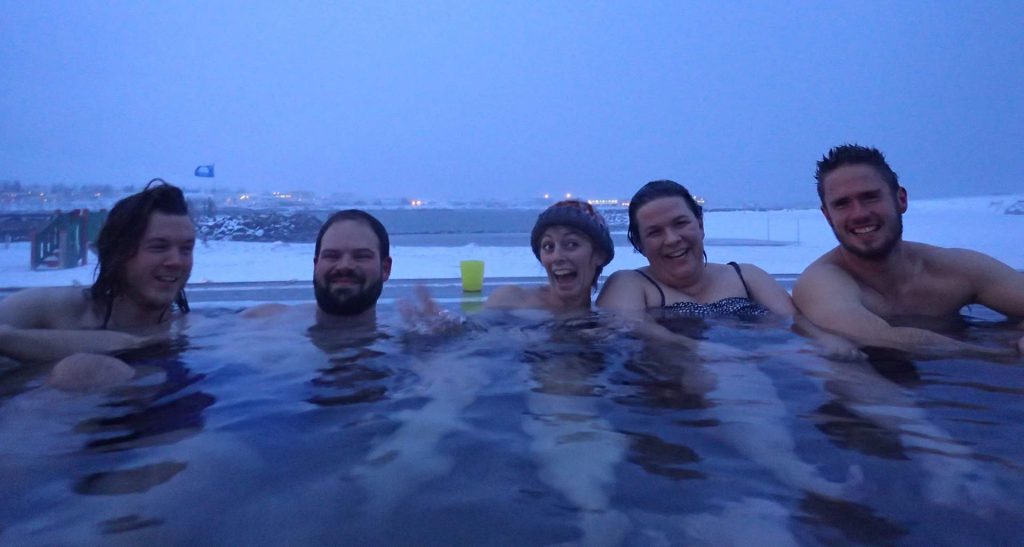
(978, 223)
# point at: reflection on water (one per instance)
(525, 431)
(128, 481)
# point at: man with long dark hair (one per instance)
(873, 277)
(145, 258)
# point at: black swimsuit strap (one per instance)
(656, 286)
(746, 289)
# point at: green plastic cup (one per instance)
(472, 275)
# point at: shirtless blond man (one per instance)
(861, 288)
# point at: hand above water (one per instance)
(425, 316)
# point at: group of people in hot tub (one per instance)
(847, 296)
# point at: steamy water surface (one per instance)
(518, 430)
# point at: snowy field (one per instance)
(799, 236)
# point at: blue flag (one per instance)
(204, 171)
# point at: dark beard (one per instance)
(880, 253)
(352, 305)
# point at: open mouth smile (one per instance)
(865, 229)
(167, 281)
(563, 275)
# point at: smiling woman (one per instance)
(666, 225)
(572, 242)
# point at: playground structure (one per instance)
(64, 242)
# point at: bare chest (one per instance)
(923, 296)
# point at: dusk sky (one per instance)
(736, 100)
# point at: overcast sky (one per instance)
(736, 100)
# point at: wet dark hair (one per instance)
(361, 216)
(654, 190)
(122, 233)
(854, 154)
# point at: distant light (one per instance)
(547, 196)
(568, 195)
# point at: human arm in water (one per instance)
(997, 286)
(47, 324)
(48, 345)
(767, 291)
(269, 309)
(831, 299)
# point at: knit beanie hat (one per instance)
(580, 216)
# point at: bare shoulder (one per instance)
(265, 310)
(825, 262)
(624, 290)
(824, 267)
(626, 278)
(953, 259)
(766, 290)
(988, 281)
(509, 296)
(46, 308)
(758, 279)
(753, 272)
(823, 277)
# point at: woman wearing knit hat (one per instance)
(572, 242)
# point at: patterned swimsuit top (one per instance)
(733, 306)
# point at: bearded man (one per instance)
(351, 262)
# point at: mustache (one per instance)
(348, 275)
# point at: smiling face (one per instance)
(349, 273)
(865, 216)
(672, 239)
(571, 262)
(163, 262)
